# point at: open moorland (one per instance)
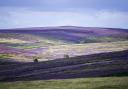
(64, 52)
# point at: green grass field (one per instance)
(82, 83)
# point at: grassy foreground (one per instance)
(82, 83)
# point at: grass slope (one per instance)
(82, 83)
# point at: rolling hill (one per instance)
(63, 52)
(54, 42)
(74, 34)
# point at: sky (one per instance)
(43, 13)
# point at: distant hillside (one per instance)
(54, 42)
(75, 34)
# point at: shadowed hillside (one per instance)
(103, 64)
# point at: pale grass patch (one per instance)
(84, 49)
(12, 40)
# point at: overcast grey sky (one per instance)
(40, 13)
